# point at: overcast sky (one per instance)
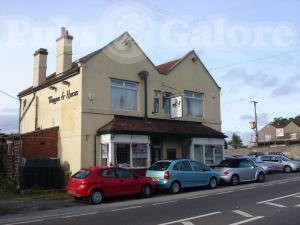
(251, 48)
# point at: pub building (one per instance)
(115, 107)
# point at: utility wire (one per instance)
(8, 95)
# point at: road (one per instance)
(275, 202)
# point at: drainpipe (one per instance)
(144, 75)
(95, 149)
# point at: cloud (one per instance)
(262, 119)
(288, 87)
(9, 123)
(247, 117)
(239, 76)
(12, 111)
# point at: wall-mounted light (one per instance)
(53, 88)
(194, 59)
(64, 82)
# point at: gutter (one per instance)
(144, 75)
(95, 149)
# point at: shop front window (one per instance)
(209, 154)
(104, 154)
(198, 153)
(218, 154)
(131, 155)
(139, 155)
(122, 155)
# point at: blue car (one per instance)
(182, 173)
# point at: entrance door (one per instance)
(155, 154)
(171, 153)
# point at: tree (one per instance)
(225, 144)
(283, 121)
(235, 141)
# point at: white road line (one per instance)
(191, 218)
(82, 214)
(249, 188)
(283, 182)
(201, 196)
(275, 204)
(297, 205)
(267, 185)
(246, 221)
(133, 207)
(273, 199)
(242, 213)
(161, 203)
(187, 223)
(297, 196)
(225, 192)
(24, 222)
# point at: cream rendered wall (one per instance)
(65, 113)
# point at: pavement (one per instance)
(275, 202)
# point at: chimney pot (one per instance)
(40, 66)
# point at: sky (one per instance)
(250, 47)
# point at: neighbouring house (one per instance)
(114, 106)
(273, 134)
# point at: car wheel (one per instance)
(146, 191)
(261, 177)
(234, 180)
(175, 187)
(96, 197)
(212, 183)
(287, 169)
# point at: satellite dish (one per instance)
(91, 96)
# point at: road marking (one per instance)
(187, 223)
(133, 207)
(76, 215)
(246, 221)
(249, 188)
(242, 213)
(225, 192)
(297, 196)
(275, 204)
(283, 182)
(297, 205)
(191, 218)
(267, 185)
(273, 199)
(161, 203)
(24, 222)
(201, 196)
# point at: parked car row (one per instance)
(173, 175)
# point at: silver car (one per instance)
(267, 167)
(281, 163)
(238, 170)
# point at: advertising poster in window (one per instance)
(176, 107)
(139, 155)
(279, 132)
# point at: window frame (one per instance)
(193, 97)
(124, 87)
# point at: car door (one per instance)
(247, 170)
(201, 173)
(186, 174)
(108, 183)
(276, 161)
(127, 182)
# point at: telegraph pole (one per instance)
(255, 116)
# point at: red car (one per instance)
(104, 182)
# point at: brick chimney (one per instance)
(63, 52)
(40, 66)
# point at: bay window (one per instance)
(193, 104)
(123, 95)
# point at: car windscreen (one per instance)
(81, 174)
(160, 166)
(231, 163)
(257, 160)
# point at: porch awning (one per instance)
(137, 125)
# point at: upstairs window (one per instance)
(167, 103)
(123, 95)
(156, 102)
(193, 104)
